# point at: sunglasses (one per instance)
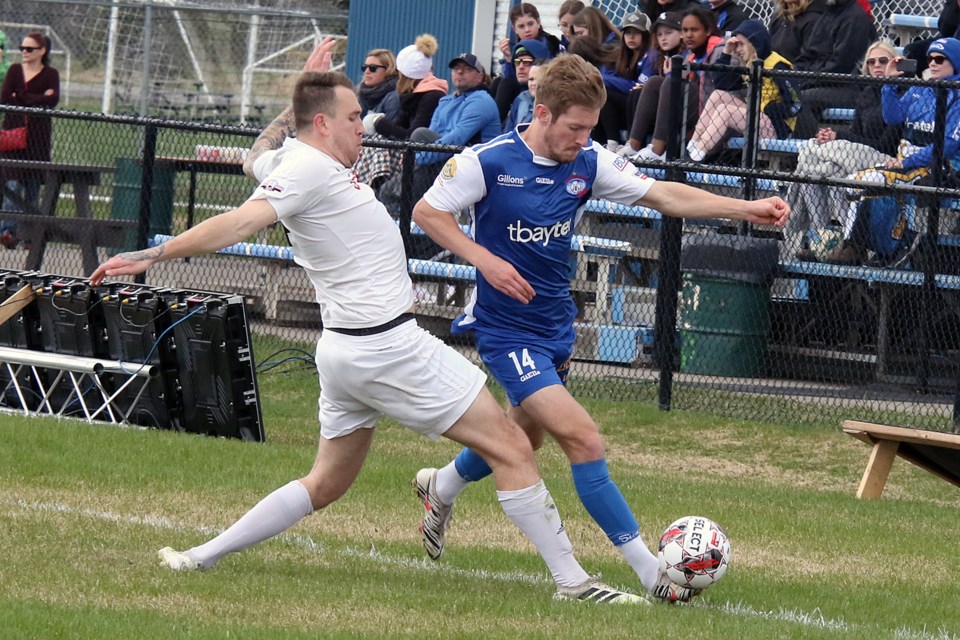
(29, 49)
(523, 63)
(937, 59)
(884, 60)
(372, 68)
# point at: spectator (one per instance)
(377, 91)
(726, 110)
(4, 65)
(568, 9)
(29, 83)
(835, 43)
(525, 20)
(467, 116)
(668, 41)
(948, 24)
(526, 56)
(655, 8)
(522, 110)
(418, 94)
(915, 110)
(729, 15)
(595, 23)
(791, 24)
(624, 68)
(418, 89)
(869, 141)
(653, 108)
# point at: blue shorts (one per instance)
(523, 364)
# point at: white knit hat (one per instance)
(416, 60)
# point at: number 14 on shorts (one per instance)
(526, 367)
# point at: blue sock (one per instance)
(471, 466)
(604, 502)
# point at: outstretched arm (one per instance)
(442, 227)
(683, 201)
(214, 233)
(283, 125)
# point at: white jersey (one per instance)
(341, 235)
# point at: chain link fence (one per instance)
(698, 315)
(694, 314)
(224, 62)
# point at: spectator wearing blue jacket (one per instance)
(916, 111)
(525, 54)
(524, 25)
(521, 112)
(466, 117)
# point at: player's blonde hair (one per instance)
(567, 81)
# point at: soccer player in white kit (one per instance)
(525, 191)
(372, 357)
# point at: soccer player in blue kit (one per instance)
(525, 190)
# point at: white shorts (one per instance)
(405, 373)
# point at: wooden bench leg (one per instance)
(878, 468)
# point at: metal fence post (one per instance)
(671, 232)
(146, 189)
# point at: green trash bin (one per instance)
(126, 197)
(724, 326)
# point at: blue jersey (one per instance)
(523, 209)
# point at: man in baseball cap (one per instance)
(468, 59)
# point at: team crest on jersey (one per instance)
(449, 171)
(576, 186)
(273, 186)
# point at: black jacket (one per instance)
(787, 36)
(729, 16)
(949, 21)
(838, 40)
(868, 126)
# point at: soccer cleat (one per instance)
(667, 591)
(436, 515)
(595, 591)
(177, 561)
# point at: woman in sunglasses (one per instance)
(30, 83)
(914, 110)
(835, 154)
(377, 90)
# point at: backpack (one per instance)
(888, 232)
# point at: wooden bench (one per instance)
(39, 224)
(937, 452)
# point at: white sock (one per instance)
(450, 483)
(534, 512)
(643, 562)
(274, 514)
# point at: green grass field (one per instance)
(83, 509)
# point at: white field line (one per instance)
(813, 618)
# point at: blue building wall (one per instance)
(382, 24)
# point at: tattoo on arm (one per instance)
(272, 137)
(154, 253)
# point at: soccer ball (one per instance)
(694, 552)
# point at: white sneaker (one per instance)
(613, 146)
(177, 561)
(668, 591)
(695, 152)
(436, 515)
(647, 153)
(627, 151)
(595, 591)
